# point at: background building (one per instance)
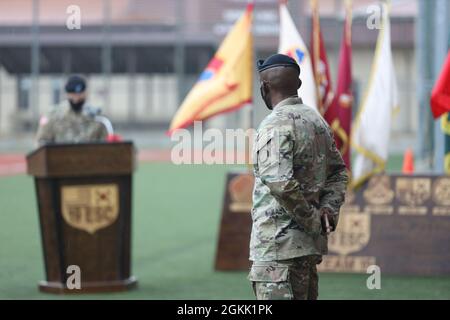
(142, 57)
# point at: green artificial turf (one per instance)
(175, 226)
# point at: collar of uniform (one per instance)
(289, 102)
(70, 112)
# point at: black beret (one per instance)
(75, 84)
(277, 60)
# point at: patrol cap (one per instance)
(277, 60)
(75, 84)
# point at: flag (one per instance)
(339, 113)
(440, 106)
(320, 64)
(440, 96)
(445, 120)
(226, 84)
(292, 44)
(372, 126)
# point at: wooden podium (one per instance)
(84, 200)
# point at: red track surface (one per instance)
(11, 164)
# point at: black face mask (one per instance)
(76, 106)
(266, 97)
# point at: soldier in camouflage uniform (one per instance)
(299, 178)
(74, 123)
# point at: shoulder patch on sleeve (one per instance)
(264, 138)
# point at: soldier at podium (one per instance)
(74, 122)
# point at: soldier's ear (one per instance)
(299, 83)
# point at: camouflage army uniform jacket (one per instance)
(66, 126)
(298, 170)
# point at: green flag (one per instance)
(445, 121)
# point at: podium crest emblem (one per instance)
(90, 207)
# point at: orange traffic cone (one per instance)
(408, 162)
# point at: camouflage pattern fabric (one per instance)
(66, 126)
(298, 172)
(293, 279)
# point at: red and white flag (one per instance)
(339, 113)
(319, 62)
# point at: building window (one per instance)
(24, 91)
(56, 91)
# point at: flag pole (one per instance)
(251, 111)
(348, 39)
(315, 51)
(348, 21)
